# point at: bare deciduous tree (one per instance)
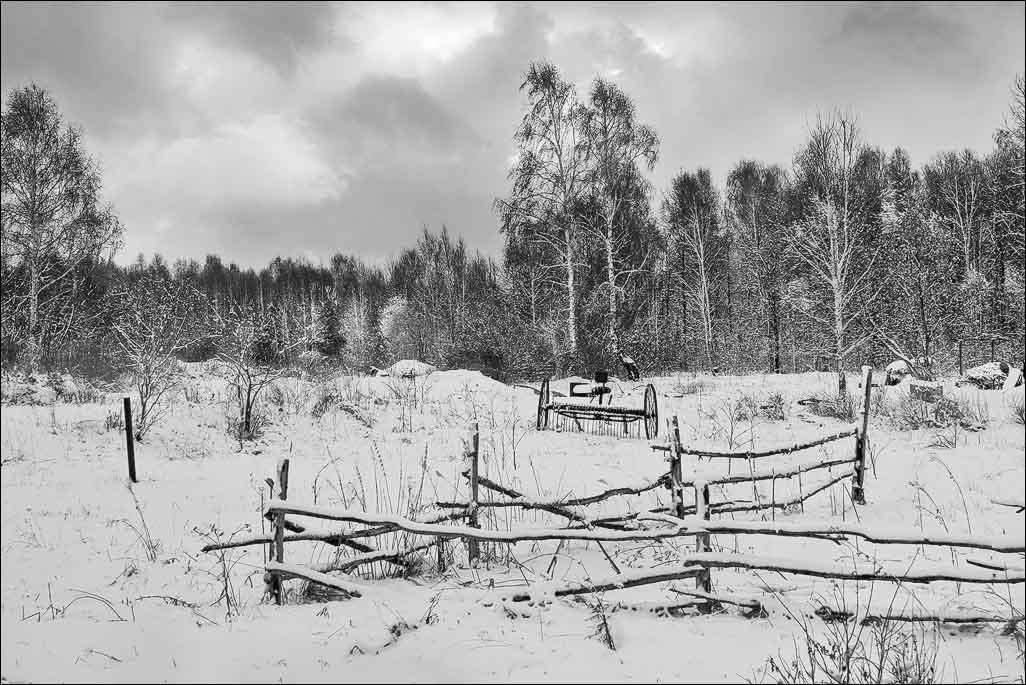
(621, 149)
(691, 221)
(252, 356)
(156, 322)
(832, 238)
(756, 208)
(53, 219)
(549, 176)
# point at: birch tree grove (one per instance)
(832, 238)
(757, 210)
(843, 257)
(549, 176)
(53, 218)
(621, 149)
(691, 223)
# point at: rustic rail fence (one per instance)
(672, 523)
(662, 527)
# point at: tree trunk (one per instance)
(998, 294)
(775, 333)
(32, 344)
(571, 295)
(610, 276)
(842, 383)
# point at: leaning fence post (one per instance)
(703, 581)
(676, 471)
(862, 439)
(279, 530)
(473, 548)
(130, 440)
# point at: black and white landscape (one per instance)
(452, 342)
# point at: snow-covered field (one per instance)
(106, 583)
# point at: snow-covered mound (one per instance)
(409, 368)
(989, 376)
(897, 371)
(30, 389)
(461, 381)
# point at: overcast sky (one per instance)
(253, 130)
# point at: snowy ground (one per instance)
(86, 597)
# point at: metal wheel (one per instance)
(651, 413)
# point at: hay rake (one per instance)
(607, 419)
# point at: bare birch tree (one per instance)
(691, 220)
(52, 217)
(958, 186)
(756, 208)
(621, 150)
(549, 176)
(832, 239)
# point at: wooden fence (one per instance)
(675, 522)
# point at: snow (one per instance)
(987, 376)
(71, 535)
(410, 367)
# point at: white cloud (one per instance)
(221, 81)
(407, 39)
(266, 162)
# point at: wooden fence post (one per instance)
(862, 438)
(473, 547)
(703, 581)
(130, 440)
(279, 530)
(676, 471)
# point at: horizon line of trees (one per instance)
(851, 254)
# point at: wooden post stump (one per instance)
(473, 546)
(279, 531)
(862, 439)
(676, 471)
(130, 440)
(703, 581)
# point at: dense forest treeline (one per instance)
(850, 254)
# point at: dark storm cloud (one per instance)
(255, 129)
(103, 62)
(395, 109)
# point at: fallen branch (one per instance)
(618, 581)
(293, 571)
(900, 574)
(397, 558)
(749, 603)
(551, 508)
(1018, 505)
(994, 566)
(829, 615)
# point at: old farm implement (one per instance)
(608, 419)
